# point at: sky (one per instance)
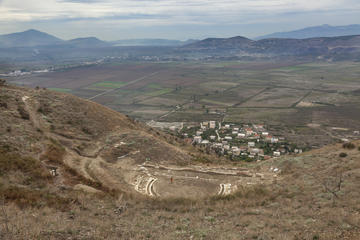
(172, 19)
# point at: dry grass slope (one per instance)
(316, 195)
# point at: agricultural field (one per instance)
(297, 100)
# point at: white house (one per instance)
(226, 147)
(197, 139)
(277, 154)
(235, 132)
(228, 138)
(212, 137)
(205, 142)
(212, 124)
(251, 144)
(265, 134)
(241, 135)
(236, 152)
(254, 150)
(198, 133)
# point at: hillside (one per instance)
(117, 179)
(88, 42)
(220, 43)
(317, 31)
(30, 38)
(151, 42)
(335, 47)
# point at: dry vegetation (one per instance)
(316, 195)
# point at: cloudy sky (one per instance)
(172, 19)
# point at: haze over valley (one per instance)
(179, 120)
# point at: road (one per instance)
(127, 84)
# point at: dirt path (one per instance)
(127, 84)
(251, 97)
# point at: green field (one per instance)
(65, 90)
(289, 96)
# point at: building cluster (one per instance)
(247, 142)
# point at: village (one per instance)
(248, 142)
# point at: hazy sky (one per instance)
(172, 19)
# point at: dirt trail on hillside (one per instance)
(139, 170)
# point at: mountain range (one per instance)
(340, 47)
(32, 45)
(317, 31)
(35, 38)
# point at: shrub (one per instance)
(3, 105)
(23, 113)
(15, 162)
(348, 146)
(54, 153)
(23, 197)
(359, 148)
(342, 155)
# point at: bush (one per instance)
(342, 155)
(29, 166)
(54, 153)
(348, 146)
(23, 113)
(359, 148)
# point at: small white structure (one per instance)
(212, 124)
(198, 133)
(227, 125)
(277, 154)
(235, 132)
(241, 135)
(212, 137)
(236, 129)
(236, 152)
(172, 128)
(274, 140)
(205, 142)
(356, 132)
(251, 144)
(224, 142)
(254, 150)
(265, 134)
(226, 147)
(228, 138)
(197, 139)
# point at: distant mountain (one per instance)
(340, 47)
(317, 31)
(88, 42)
(151, 42)
(220, 43)
(30, 38)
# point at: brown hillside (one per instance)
(113, 181)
